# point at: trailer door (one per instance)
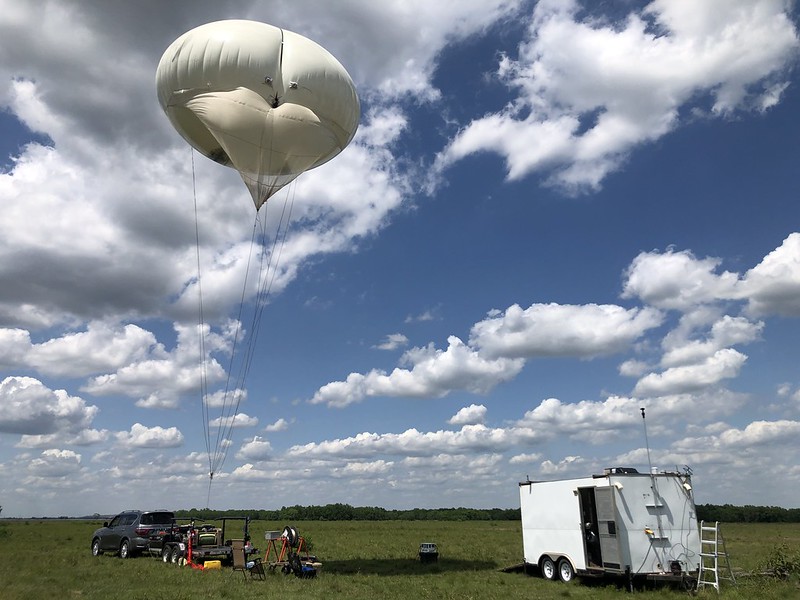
(607, 527)
(589, 525)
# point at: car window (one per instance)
(115, 521)
(159, 518)
(129, 519)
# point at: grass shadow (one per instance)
(402, 566)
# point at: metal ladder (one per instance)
(713, 557)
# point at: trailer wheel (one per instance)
(175, 556)
(166, 551)
(548, 568)
(565, 571)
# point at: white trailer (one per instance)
(622, 523)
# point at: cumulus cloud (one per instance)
(760, 433)
(773, 286)
(279, 425)
(55, 463)
(596, 420)
(433, 373)
(85, 437)
(723, 364)
(676, 280)
(723, 438)
(361, 469)
(567, 465)
(235, 421)
(393, 341)
(100, 348)
(256, 449)
(561, 330)
(469, 415)
(470, 438)
(160, 378)
(590, 90)
(150, 437)
(29, 407)
(728, 331)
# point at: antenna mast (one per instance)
(656, 495)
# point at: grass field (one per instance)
(371, 560)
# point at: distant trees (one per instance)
(344, 512)
(747, 514)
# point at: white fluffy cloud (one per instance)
(55, 463)
(728, 331)
(723, 364)
(150, 437)
(29, 407)
(433, 373)
(279, 425)
(159, 378)
(590, 91)
(676, 280)
(393, 341)
(99, 348)
(470, 438)
(773, 286)
(236, 421)
(561, 330)
(469, 415)
(256, 449)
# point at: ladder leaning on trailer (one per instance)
(712, 553)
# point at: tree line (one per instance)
(729, 513)
(726, 513)
(346, 512)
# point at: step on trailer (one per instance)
(620, 523)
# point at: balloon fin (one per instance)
(269, 146)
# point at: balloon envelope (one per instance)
(265, 101)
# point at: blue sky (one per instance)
(549, 217)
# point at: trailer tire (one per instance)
(548, 568)
(565, 571)
(165, 553)
(175, 556)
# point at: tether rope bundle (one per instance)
(267, 270)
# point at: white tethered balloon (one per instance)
(265, 101)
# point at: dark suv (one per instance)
(128, 533)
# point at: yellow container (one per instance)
(212, 564)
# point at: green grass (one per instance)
(370, 560)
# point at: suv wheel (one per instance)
(96, 547)
(124, 549)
